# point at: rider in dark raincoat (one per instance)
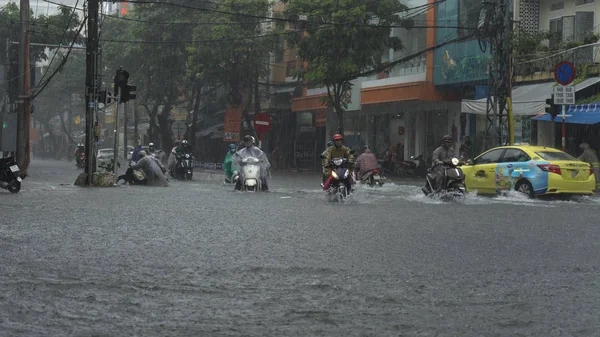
(589, 156)
(442, 156)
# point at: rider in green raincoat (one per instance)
(228, 164)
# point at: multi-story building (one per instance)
(413, 105)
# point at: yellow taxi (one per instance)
(532, 170)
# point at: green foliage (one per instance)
(233, 51)
(43, 29)
(343, 38)
(156, 61)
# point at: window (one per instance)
(584, 25)
(557, 5)
(515, 156)
(583, 2)
(555, 155)
(468, 15)
(490, 157)
(556, 32)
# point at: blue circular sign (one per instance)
(564, 73)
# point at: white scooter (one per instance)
(250, 175)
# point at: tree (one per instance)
(234, 50)
(155, 55)
(60, 28)
(341, 39)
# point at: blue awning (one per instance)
(580, 114)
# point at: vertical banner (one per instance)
(233, 123)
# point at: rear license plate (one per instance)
(19, 179)
(573, 174)
(376, 177)
(14, 168)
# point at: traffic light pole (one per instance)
(116, 148)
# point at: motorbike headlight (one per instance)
(335, 175)
(455, 161)
(187, 155)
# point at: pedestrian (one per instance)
(275, 155)
(589, 156)
(465, 149)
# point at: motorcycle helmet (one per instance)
(248, 141)
(338, 140)
(151, 147)
(142, 154)
(232, 147)
(185, 143)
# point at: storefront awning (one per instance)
(580, 114)
(528, 100)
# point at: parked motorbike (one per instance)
(10, 175)
(453, 184)
(339, 183)
(373, 178)
(184, 169)
(413, 167)
(250, 175)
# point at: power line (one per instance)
(64, 60)
(60, 41)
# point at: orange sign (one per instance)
(320, 119)
(233, 123)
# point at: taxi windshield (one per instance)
(552, 155)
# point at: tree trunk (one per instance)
(165, 128)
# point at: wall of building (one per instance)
(458, 62)
(576, 20)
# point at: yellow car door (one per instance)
(481, 176)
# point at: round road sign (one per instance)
(564, 73)
(262, 123)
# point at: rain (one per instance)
(298, 168)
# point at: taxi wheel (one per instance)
(525, 187)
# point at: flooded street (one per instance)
(197, 259)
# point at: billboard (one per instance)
(233, 123)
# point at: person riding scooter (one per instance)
(250, 150)
(228, 166)
(158, 154)
(365, 163)
(338, 150)
(442, 156)
(152, 170)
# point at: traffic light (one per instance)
(551, 109)
(4, 125)
(121, 79)
(128, 93)
(104, 97)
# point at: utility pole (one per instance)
(91, 87)
(24, 83)
(495, 27)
